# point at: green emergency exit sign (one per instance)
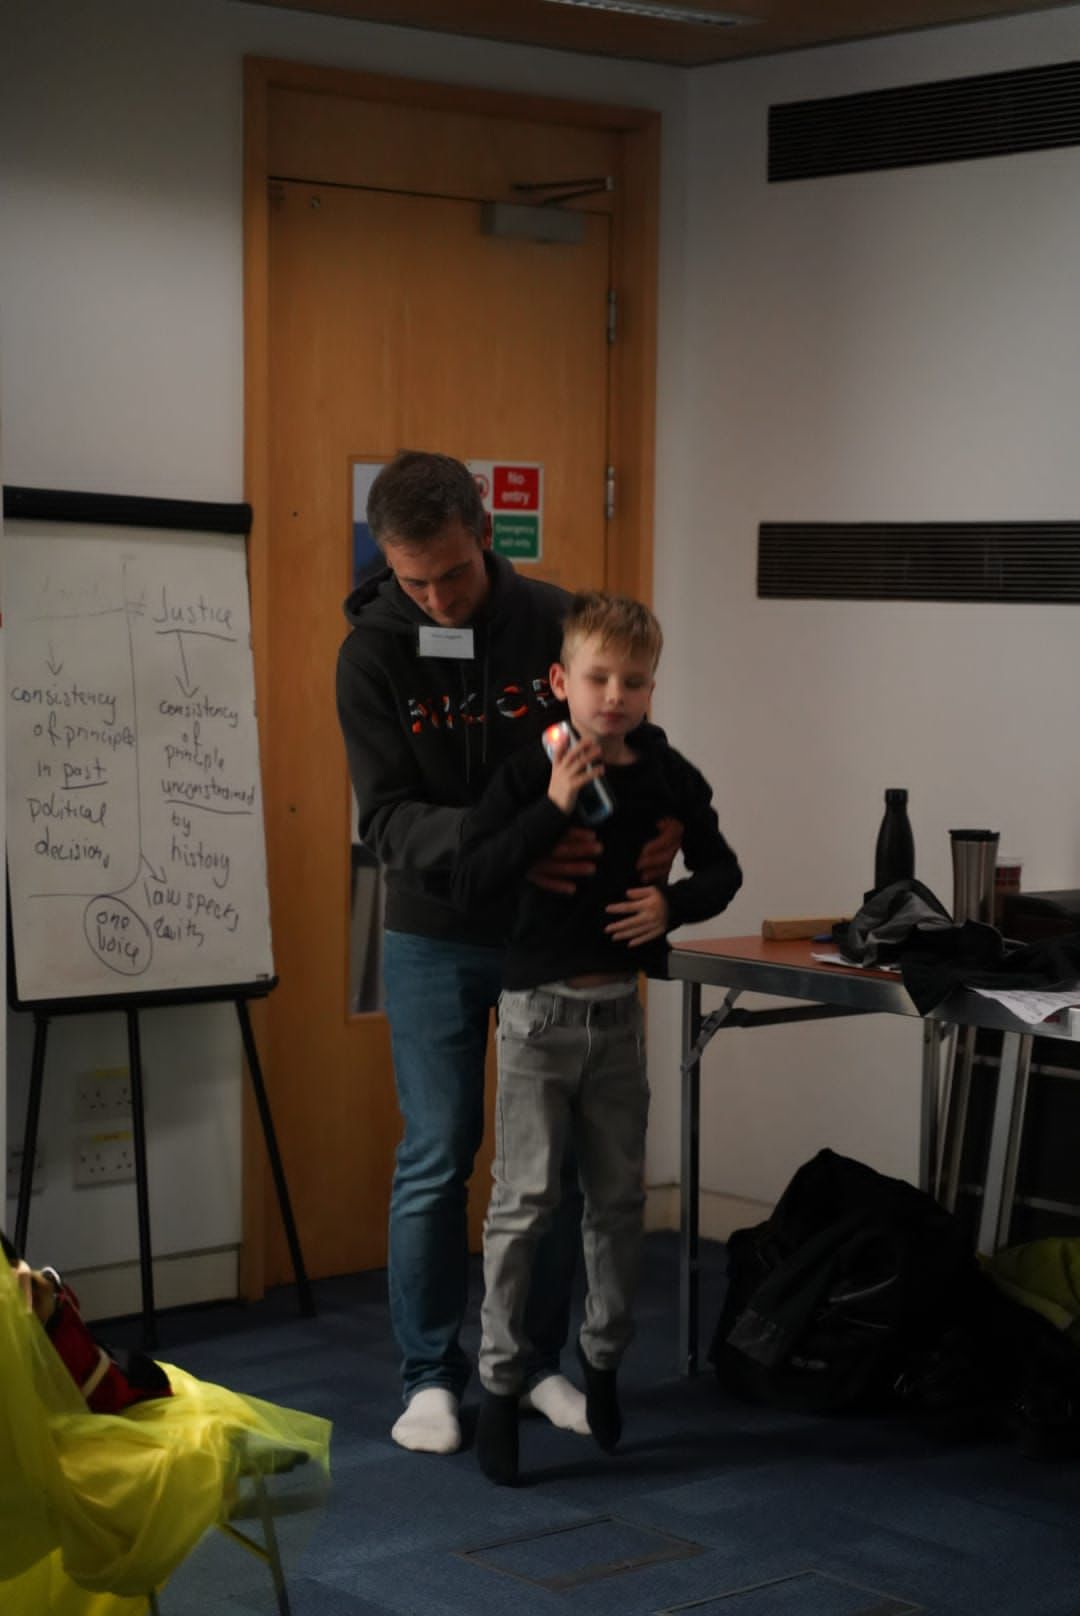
(516, 537)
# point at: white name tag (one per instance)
(446, 642)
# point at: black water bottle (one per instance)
(894, 855)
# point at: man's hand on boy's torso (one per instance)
(658, 854)
(571, 860)
(574, 858)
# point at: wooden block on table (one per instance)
(811, 926)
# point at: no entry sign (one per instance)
(513, 495)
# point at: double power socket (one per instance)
(104, 1145)
(104, 1142)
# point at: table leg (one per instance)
(933, 1032)
(949, 1034)
(952, 1148)
(696, 1033)
(689, 1179)
(1004, 1134)
(1004, 1141)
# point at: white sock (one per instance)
(430, 1422)
(559, 1401)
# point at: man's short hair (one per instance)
(418, 493)
(614, 620)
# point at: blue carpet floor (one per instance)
(710, 1506)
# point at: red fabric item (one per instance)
(105, 1385)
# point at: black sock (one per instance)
(497, 1438)
(601, 1404)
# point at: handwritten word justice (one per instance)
(193, 614)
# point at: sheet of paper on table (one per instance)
(1031, 1004)
(833, 958)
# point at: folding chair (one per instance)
(106, 1505)
(260, 1460)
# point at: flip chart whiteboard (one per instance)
(136, 854)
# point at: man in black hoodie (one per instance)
(444, 674)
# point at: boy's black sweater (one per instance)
(554, 935)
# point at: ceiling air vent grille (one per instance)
(950, 121)
(993, 561)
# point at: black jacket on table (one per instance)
(424, 735)
(556, 935)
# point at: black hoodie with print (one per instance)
(424, 734)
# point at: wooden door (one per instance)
(393, 321)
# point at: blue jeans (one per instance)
(439, 1000)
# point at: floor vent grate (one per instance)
(564, 1557)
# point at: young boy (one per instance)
(570, 1037)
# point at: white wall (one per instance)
(121, 328)
(894, 345)
(900, 345)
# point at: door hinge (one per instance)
(609, 492)
(612, 314)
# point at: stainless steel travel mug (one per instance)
(974, 855)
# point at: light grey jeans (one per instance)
(569, 1069)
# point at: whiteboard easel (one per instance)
(136, 854)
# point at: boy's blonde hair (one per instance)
(614, 620)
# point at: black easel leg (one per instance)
(142, 1187)
(30, 1132)
(303, 1289)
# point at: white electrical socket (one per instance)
(102, 1093)
(107, 1157)
(14, 1169)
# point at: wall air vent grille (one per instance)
(992, 561)
(950, 121)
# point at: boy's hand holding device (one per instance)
(573, 770)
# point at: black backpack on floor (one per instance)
(854, 1281)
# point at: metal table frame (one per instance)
(786, 970)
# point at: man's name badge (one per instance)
(446, 642)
